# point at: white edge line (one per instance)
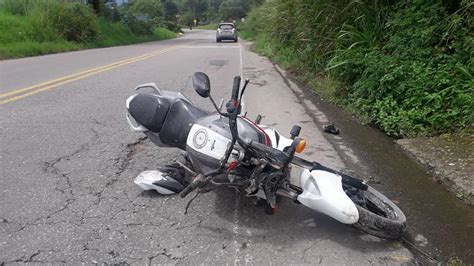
(235, 217)
(210, 47)
(242, 75)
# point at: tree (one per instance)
(150, 10)
(96, 5)
(197, 9)
(233, 9)
(213, 9)
(170, 10)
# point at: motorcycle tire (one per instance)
(378, 215)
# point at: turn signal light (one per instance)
(300, 146)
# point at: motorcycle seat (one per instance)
(181, 117)
(149, 110)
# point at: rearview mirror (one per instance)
(201, 84)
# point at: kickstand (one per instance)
(190, 201)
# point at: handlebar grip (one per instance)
(235, 88)
(232, 103)
(186, 190)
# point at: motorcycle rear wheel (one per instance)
(378, 215)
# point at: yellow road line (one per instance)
(80, 75)
(77, 74)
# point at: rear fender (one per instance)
(322, 192)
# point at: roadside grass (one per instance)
(20, 37)
(163, 34)
(251, 36)
(31, 35)
(113, 34)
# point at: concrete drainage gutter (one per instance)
(448, 158)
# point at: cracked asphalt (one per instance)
(68, 160)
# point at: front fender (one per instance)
(322, 192)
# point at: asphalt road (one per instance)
(68, 160)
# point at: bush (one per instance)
(73, 21)
(138, 27)
(76, 22)
(16, 7)
(163, 34)
(171, 26)
(112, 34)
(417, 82)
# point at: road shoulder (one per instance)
(288, 107)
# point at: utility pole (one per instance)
(194, 13)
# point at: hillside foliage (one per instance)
(406, 66)
(34, 27)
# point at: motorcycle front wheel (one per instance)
(378, 215)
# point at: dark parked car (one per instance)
(226, 31)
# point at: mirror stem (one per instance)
(217, 108)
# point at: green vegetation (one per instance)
(210, 11)
(406, 66)
(113, 34)
(211, 26)
(35, 27)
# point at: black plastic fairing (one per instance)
(169, 183)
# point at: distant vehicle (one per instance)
(226, 31)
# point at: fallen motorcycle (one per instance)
(226, 149)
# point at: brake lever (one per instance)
(243, 90)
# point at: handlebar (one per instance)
(277, 157)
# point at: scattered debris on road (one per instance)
(331, 129)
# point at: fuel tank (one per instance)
(209, 137)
